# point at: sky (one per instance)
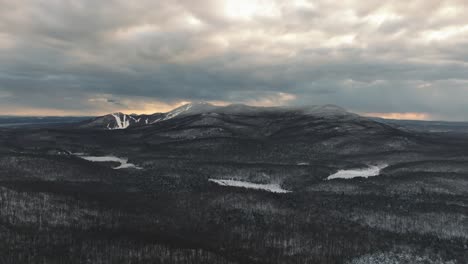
(394, 59)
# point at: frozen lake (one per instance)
(123, 161)
(353, 173)
(276, 188)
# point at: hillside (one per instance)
(232, 184)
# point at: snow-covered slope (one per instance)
(189, 109)
(177, 111)
(208, 113)
(123, 121)
(117, 121)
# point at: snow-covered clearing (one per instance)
(276, 188)
(121, 123)
(353, 173)
(123, 161)
(134, 119)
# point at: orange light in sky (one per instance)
(404, 116)
(136, 107)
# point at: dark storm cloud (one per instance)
(96, 56)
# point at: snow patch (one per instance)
(177, 111)
(353, 173)
(155, 121)
(121, 123)
(275, 188)
(123, 161)
(134, 119)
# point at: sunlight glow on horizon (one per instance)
(388, 59)
(400, 116)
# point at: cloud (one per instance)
(367, 56)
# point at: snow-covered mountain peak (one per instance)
(190, 108)
(120, 120)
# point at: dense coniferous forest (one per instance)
(57, 205)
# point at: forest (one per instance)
(57, 207)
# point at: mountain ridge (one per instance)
(119, 120)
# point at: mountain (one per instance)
(281, 132)
(124, 121)
(233, 184)
(427, 126)
(120, 121)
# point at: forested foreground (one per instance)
(57, 207)
(193, 221)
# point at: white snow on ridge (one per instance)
(353, 173)
(177, 111)
(121, 123)
(123, 161)
(275, 188)
(134, 119)
(123, 120)
(155, 121)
